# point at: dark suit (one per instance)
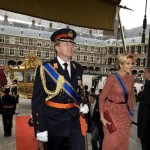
(144, 117)
(58, 122)
(7, 104)
(95, 126)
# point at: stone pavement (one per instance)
(9, 143)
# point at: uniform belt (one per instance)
(116, 102)
(60, 105)
(10, 106)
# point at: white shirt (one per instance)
(62, 62)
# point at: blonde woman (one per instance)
(112, 99)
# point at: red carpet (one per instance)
(25, 139)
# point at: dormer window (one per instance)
(132, 41)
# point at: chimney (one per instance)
(90, 31)
(33, 22)
(50, 25)
(5, 18)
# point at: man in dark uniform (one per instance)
(15, 92)
(143, 128)
(7, 105)
(55, 102)
(95, 126)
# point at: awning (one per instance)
(95, 14)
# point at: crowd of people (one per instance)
(64, 110)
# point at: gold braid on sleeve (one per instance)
(59, 84)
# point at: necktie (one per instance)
(92, 109)
(66, 71)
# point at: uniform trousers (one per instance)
(7, 121)
(75, 140)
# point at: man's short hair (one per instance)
(93, 95)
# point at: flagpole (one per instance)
(144, 25)
(122, 32)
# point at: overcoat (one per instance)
(144, 113)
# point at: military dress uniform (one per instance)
(15, 92)
(7, 104)
(59, 122)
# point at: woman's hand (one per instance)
(104, 121)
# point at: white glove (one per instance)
(84, 108)
(42, 136)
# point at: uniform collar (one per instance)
(62, 62)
